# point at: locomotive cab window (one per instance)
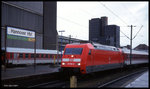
(90, 52)
(74, 51)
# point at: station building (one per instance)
(37, 17)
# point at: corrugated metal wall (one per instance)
(34, 6)
(20, 18)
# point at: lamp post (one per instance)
(61, 40)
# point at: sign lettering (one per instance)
(20, 34)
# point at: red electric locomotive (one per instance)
(87, 58)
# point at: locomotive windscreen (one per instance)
(73, 51)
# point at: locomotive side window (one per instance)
(75, 51)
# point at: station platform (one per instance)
(28, 71)
(140, 82)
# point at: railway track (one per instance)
(52, 84)
(30, 80)
(112, 78)
(58, 80)
(122, 81)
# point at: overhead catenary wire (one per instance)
(68, 20)
(116, 16)
(113, 13)
(133, 16)
(124, 34)
(120, 30)
(137, 32)
(72, 21)
(121, 19)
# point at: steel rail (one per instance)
(113, 81)
(55, 83)
(42, 84)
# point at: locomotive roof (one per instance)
(125, 50)
(99, 46)
(104, 47)
(29, 50)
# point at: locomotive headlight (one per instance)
(63, 63)
(78, 64)
(72, 56)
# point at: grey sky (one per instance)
(73, 17)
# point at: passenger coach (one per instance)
(17, 56)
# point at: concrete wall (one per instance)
(50, 32)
